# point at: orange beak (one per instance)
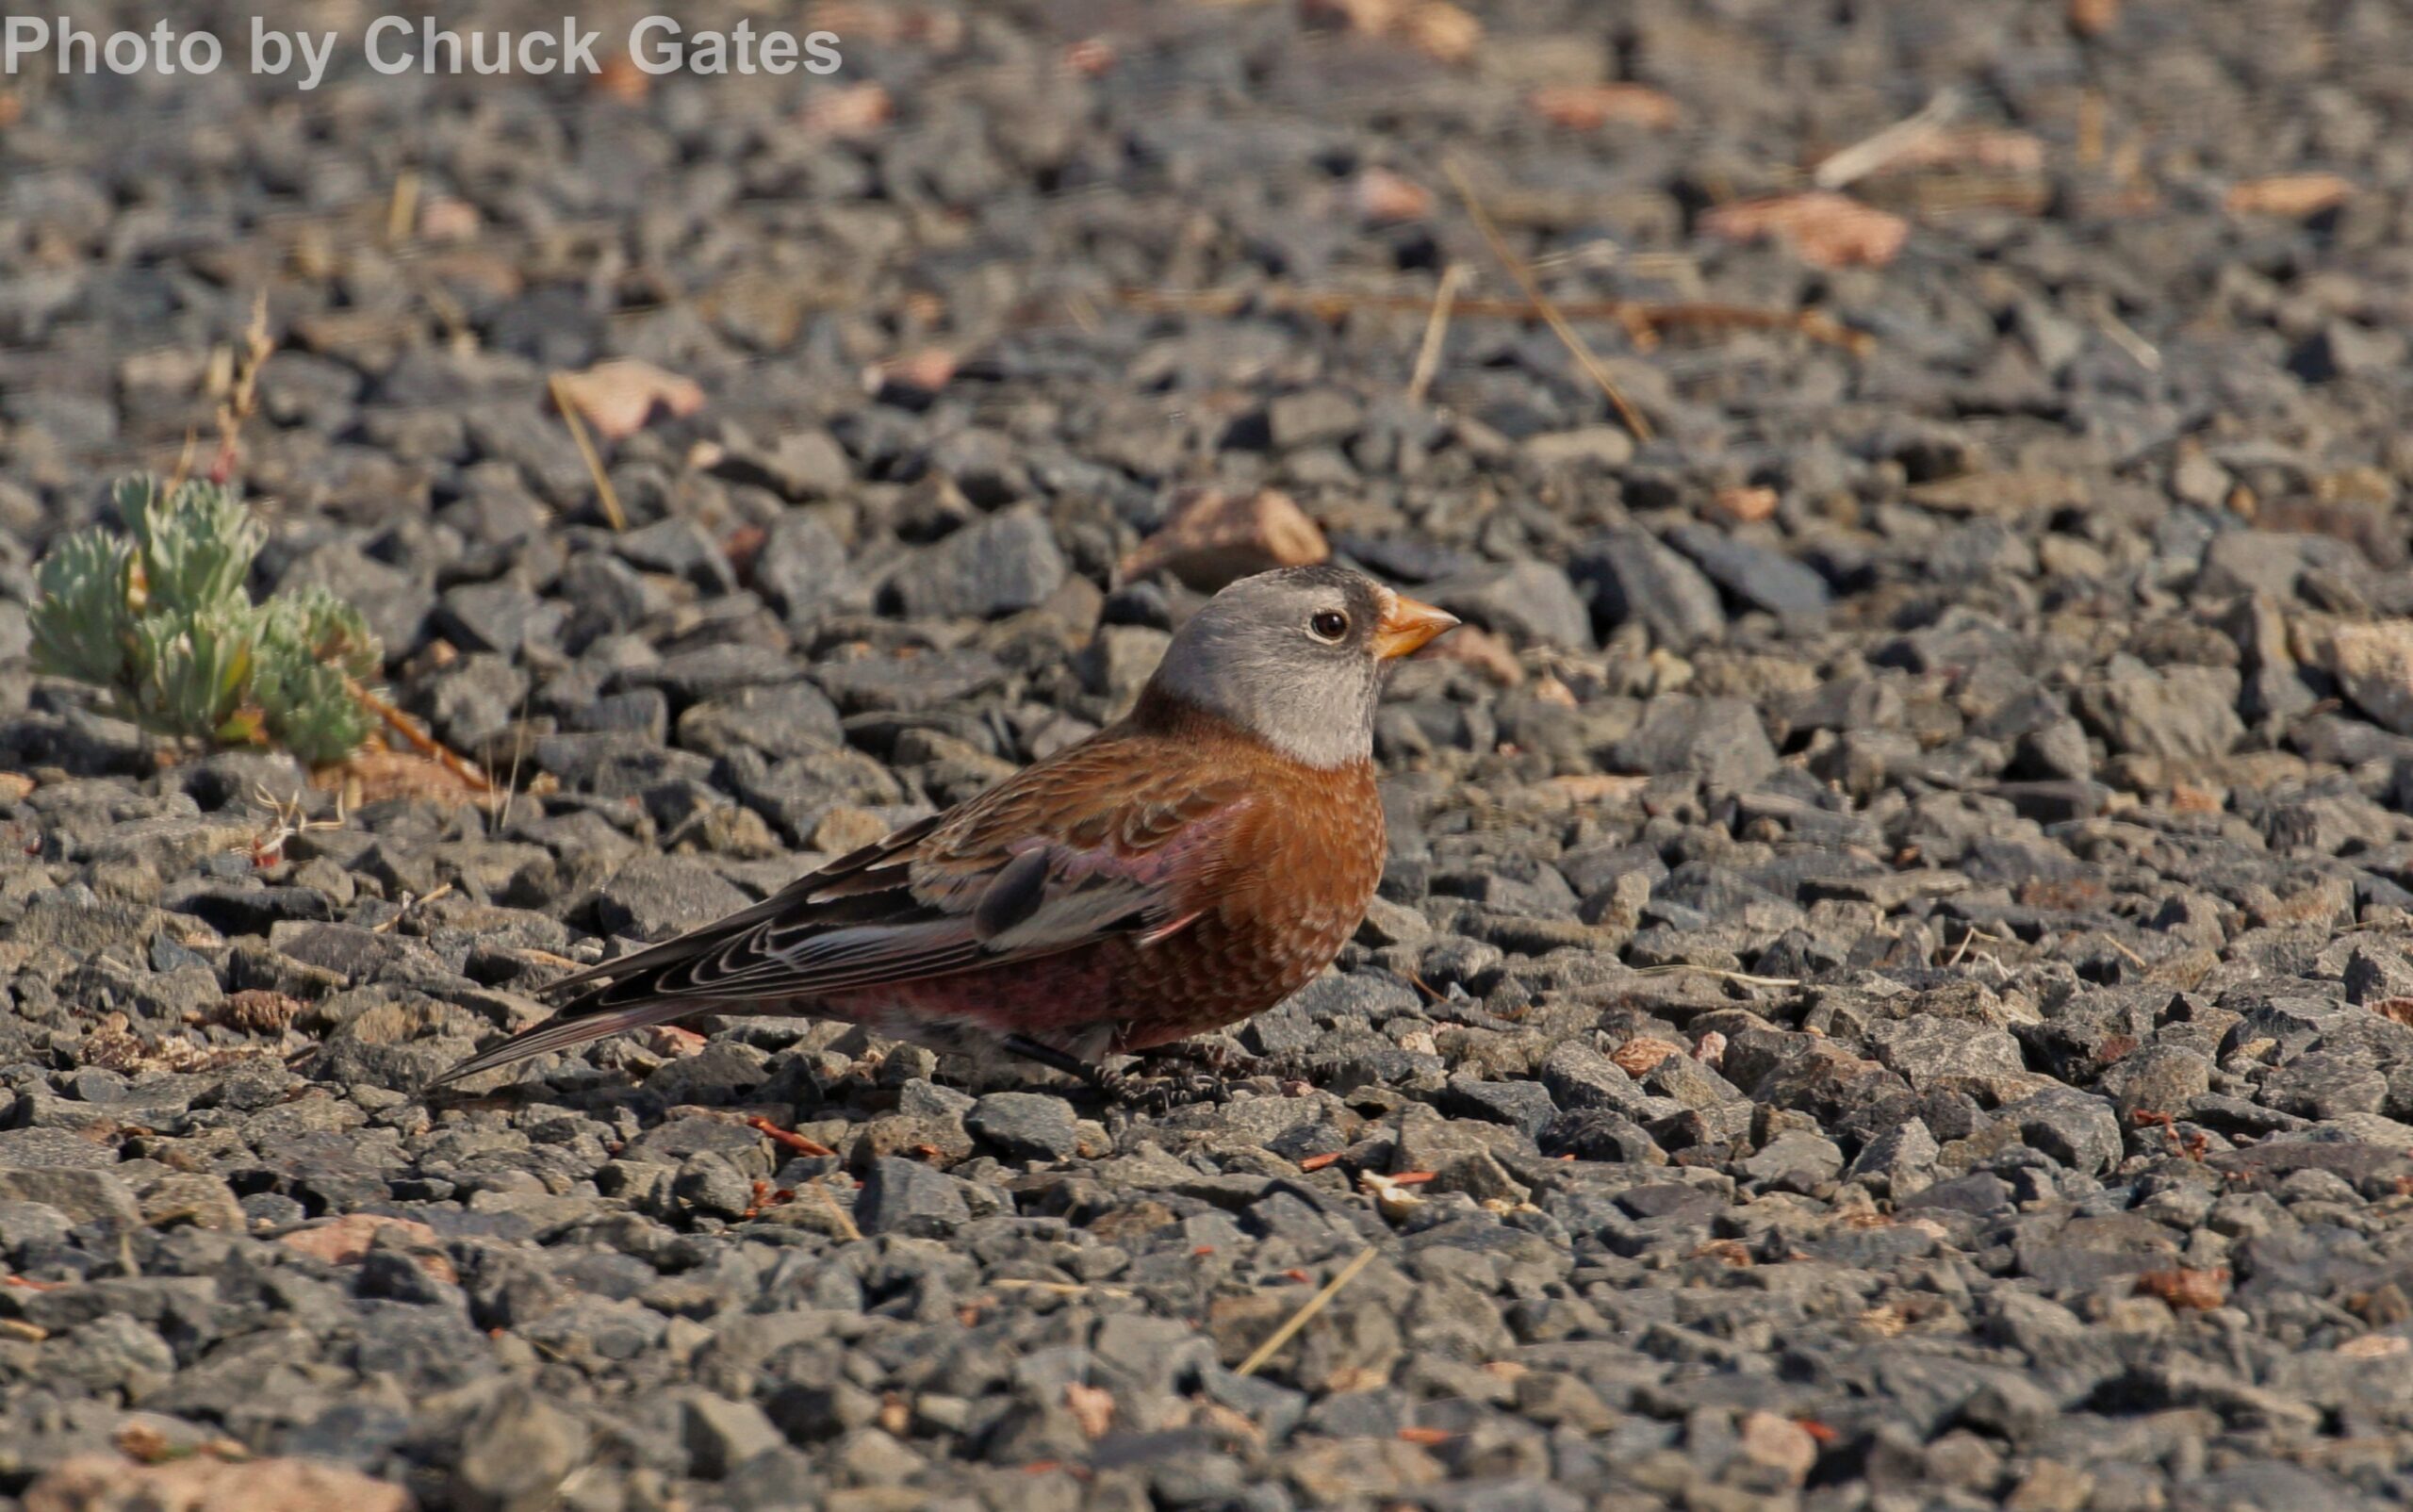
(1408, 625)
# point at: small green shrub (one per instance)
(162, 619)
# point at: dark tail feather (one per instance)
(568, 1028)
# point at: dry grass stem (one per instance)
(1567, 334)
(1306, 1312)
(1743, 978)
(604, 492)
(1436, 329)
(829, 1200)
(1872, 153)
(402, 211)
(416, 737)
(1645, 320)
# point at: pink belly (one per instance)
(1144, 995)
(1054, 995)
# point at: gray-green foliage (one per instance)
(160, 617)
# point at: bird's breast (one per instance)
(1296, 881)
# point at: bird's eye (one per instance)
(1329, 626)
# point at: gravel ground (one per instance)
(1894, 987)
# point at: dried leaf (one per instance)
(620, 79)
(1743, 506)
(144, 1444)
(446, 219)
(619, 396)
(1822, 229)
(2290, 194)
(929, 371)
(1215, 538)
(257, 1011)
(2398, 1009)
(2375, 1346)
(1475, 646)
(1092, 1408)
(1437, 29)
(346, 1241)
(1440, 30)
(373, 774)
(111, 1045)
(1638, 1055)
(210, 1482)
(2092, 18)
(671, 1040)
(1885, 1321)
(2200, 1290)
(1380, 194)
(848, 112)
(1589, 106)
(1783, 1444)
(1990, 148)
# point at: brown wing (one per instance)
(1107, 838)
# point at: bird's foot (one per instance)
(1163, 1094)
(1112, 1082)
(1119, 1086)
(1215, 1059)
(1155, 1095)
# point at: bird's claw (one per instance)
(1163, 1094)
(1219, 1066)
(1215, 1059)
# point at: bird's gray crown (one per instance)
(1289, 657)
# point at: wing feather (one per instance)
(1096, 843)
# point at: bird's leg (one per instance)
(1287, 1066)
(1160, 1098)
(1210, 1057)
(1214, 1068)
(1113, 1083)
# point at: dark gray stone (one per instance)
(1008, 562)
(721, 1435)
(2184, 713)
(801, 568)
(654, 897)
(1529, 601)
(907, 1197)
(516, 1455)
(2080, 1131)
(1756, 576)
(1024, 1126)
(1631, 577)
(1718, 740)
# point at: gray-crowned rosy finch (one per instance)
(1182, 870)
